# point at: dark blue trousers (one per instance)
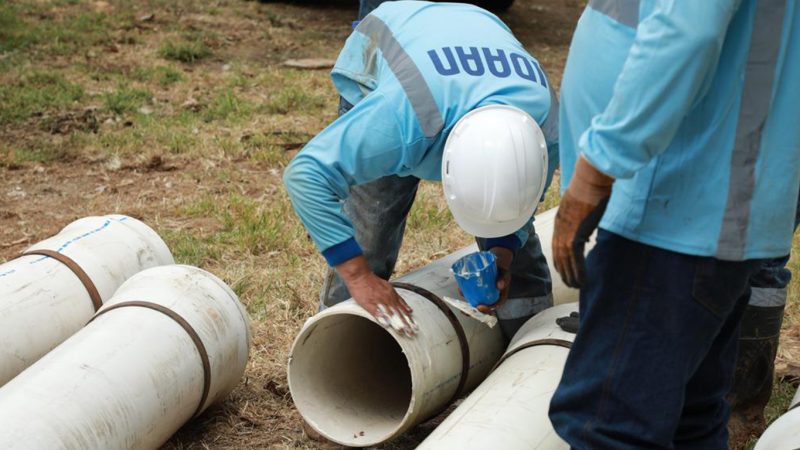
(655, 352)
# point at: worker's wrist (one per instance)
(589, 185)
(341, 252)
(354, 270)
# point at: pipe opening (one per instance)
(350, 379)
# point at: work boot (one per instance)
(755, 370)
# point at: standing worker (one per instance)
(432, 98)
(688, 109)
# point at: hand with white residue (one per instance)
(377, 296)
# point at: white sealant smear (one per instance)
(396, 320)
(488, 319)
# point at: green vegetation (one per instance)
(245, 224)
(227, 105)
(125, 99)
(36, 93)
(294, 98)
(23, 26)
(186, 51)
(162, 75)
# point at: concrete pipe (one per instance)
(784, 433)
(359, 384)
(509, 409)
(52, 290)
(172, 341)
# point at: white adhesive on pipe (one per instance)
(133, 376)
(359, 384)
(784, 433)
(509, 409)
(42, 302)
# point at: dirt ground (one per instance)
(192, 138)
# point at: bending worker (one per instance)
(438, 92)
(688, 109)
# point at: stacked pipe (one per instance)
(170, 342)
(51, 290)
(509, 409)
(784, 433)
(359, 384)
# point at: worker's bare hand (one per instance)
(504, 259)
(377, 297)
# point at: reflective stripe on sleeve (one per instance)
(753, 111)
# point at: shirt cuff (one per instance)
(342, 252)
(510, 242)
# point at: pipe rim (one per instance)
(401, 425)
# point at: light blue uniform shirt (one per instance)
(694, 106)
(411, 69)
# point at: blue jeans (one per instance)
(655, 352)
(378, 210)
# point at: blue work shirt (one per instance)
(411, 69)
(694, 107)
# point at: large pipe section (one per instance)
(172, 341)
(509, 409)
(51, 290)
(784, 433)
(359, 385)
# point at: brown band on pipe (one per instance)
(94, 295)
(198, 343)
(462, 337)
(554, 342)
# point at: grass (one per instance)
(227, 105)
(246, 225)
(162, 76)
(185, 51)
(37, 92)
(293, 99)
(202, 162)
(25, 25)
(126, 99)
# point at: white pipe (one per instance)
(43, 302)
(360, 385)
(784, 433)
(509, 409)
(133, 376)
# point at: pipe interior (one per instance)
(351, 379)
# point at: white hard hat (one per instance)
(494, 169)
